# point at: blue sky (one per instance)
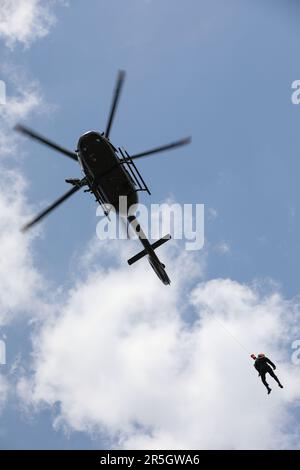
(219, 71)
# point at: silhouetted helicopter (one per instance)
(109, 173)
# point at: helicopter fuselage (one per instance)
(105, 172)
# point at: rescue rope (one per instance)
(229, 332)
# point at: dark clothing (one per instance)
(263, 376)
(262, 363)
(262, 366)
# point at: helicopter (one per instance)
(109, 174)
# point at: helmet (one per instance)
(261, 355)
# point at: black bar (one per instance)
(134, 459)
(130, 170)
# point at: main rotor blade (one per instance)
(173, 145)
(45, 212)
(34, 135)
(119, 84)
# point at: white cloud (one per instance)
(19, 105)
(25, 21)
(19, 278)
(20, 281)
(121, 358)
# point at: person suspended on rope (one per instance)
(262, 365)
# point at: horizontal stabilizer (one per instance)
(154, 245)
